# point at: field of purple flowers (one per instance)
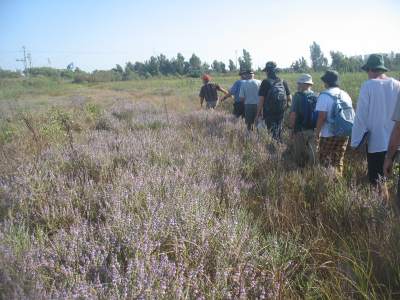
(136, 200)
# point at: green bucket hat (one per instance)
(375, 62)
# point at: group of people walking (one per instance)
(322, 124)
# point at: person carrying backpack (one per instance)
(373, 121)
(303, 119)
(275, 97)
(334, 123)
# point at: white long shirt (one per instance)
(375, 107)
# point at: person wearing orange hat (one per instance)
(209, 92)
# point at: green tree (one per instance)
(300, 66)
(339, 61)
(245, 61)
(153, 66)
(318, 60)
(179, 64)
(232, 67)
(195, 67)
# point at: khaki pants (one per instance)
(304, 148)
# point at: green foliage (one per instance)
(232, 66)
(300, 66)
(245, 61)
(318, 61)
(9, 74)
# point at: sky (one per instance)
(98, 34)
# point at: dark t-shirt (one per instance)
(297, 102)
(209, 92)
(265, 88)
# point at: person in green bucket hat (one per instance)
(375, 62)
(373, 120)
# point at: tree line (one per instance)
(160, 65)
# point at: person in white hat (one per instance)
(303, 119)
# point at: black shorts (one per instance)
(375, 166)
(238, 109)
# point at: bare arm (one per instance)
(393, 146)
(292, 119)
(260, 106)
(226, 96)
(289, 100)
(320, 122)
(223, 90)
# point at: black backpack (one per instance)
(276, 100)
(308, 112)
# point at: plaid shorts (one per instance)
(331, 151)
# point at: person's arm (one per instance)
(288, 95)
(261, 93)
(360, 120)
(292, 119)
(201, 96)
(242, 95)
(322, 115)
(260, 107)
(394, 144)
(221, 89)
(226, 96)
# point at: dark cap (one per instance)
(375, 62)
(331, 77)
(270, 66)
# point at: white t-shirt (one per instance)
(325, 102)
(375, 106)
(249, 91)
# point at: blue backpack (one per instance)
(341, 116)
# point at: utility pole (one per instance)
(24, 60)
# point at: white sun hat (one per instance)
(305, 78)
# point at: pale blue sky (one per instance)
(97, 34)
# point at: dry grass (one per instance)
(128, 194)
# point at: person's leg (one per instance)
(323, 151)
(375, 173)
(338, 153)
(276, 129)
(375, 166)
(310, 147)
(211, 104)
(298, 145)
(236, 112)
(251, 112)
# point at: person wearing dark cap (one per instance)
(209, 92)
(249, 96)
(331, 146)
(238, 106)
(275, 97)
(373, 121)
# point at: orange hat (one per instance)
(206, 77)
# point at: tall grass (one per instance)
(139, 200)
